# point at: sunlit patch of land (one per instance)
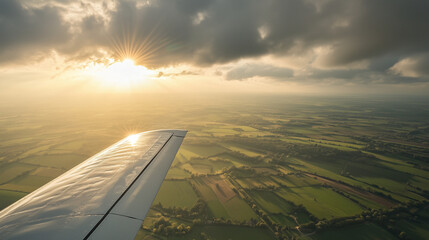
(248, 167)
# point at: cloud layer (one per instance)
(389, 37)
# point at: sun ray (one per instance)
(137, 44)
(132, 50)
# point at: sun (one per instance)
(121, 75)
(127, 62)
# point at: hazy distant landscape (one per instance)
(251, 166)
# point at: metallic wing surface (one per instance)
(105, 197)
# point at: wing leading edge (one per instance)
(105, 197)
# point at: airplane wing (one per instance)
(105, 197)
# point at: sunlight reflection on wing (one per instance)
(132, 139)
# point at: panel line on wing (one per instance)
(122, 215)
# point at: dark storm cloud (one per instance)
(230, 30)
(227, 30)
(26, 33)
(207, 32)
(383, 27)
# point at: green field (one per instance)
(9, 197)
(271, 203)
(205, 150)
(233, 209)
(284, 220)
(47, 172)
(293, 181)
(415, 231)
(260, 182)
(177, 173)
(33, 181)
(321, 202)
(219, 165)
(237, 209)
(231, 158)
(184, 195)
(11, 171)
(64, 161)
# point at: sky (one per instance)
(282, 46)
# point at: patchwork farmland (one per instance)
(293, 171)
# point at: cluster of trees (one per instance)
(166, 227)
(199, 210)
(242, 171)
(388, 217)
(282, 232)
(244, 157)
(203, 236)
(222, 221)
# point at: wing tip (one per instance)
(175, 132)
